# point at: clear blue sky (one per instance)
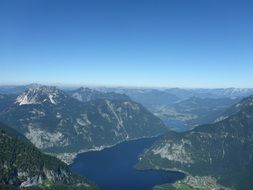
(173, 43)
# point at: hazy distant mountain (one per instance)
(87, 94)
(184, 93)
(9, 89)
(189, 113)
(211, 93)
(180, 109)
(223, 150)
(15, 89)
(150, 98)
(22, 165)
(56, 122)
(6, 100)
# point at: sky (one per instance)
(143, 43)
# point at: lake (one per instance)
(112, 168)
(179, 126)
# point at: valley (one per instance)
(184, 109)
(93, 129)
(222, 150)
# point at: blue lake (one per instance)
(112, 168)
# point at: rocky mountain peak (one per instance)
(38, 94)
(85, 89)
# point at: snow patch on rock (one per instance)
(24, 100)
(51, 98)
(38, 95)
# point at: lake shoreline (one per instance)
(113, 168)
(69, 158)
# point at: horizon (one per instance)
(115, 86)
(186, 44)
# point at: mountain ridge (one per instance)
(58, 123)
(22, 165)
(209, 150)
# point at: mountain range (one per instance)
(58, 122)
(218, 155)
(223, 150)
(180, 109)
